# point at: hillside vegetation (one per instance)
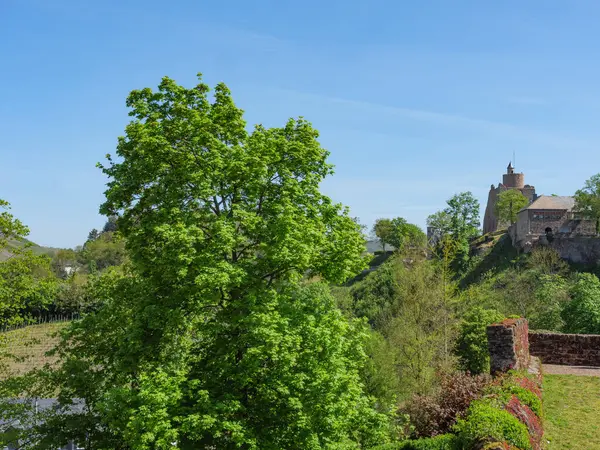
(13, 244)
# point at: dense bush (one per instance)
(472, 342)
(486, 421)
(379, 374)
(436, 414)
(441, 442)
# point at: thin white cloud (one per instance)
(501, 129)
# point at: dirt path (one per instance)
(553, 369)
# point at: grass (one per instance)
(25, 349)
(572, 412)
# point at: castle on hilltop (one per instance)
(546, 220)
(510, 180)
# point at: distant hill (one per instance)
(37, 249)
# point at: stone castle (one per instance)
(547, 220)
(510, 180)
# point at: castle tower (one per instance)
(513, 180)
(510, 180)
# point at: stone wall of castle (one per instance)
(508, 344)
(566, 349)
(490, 223)
(577, 249)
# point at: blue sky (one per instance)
(415, 100)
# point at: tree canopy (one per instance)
(508, 204)
(212, 337)
(398, 233)
(406, 235)
(587, 199)
(455, 226)
(383, 230)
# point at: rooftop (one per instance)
(553, 202)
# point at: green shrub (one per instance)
(472, 342)
(441, 442)
(499, 396)
(484, 421)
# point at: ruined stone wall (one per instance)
(521, 227)
(577, 249)
(529, 192)
(566, 349)
(579, 227)
(490, 223)
(508, 344)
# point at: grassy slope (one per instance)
(28, 346)
(572, 410)
(496, 255)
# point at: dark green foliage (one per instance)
(582, 313)
(111, 225)
(93, 235)
(379, 374)
(375, 297)
(441, 442)
(472, 342)
(485, 421)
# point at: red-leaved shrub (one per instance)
(527, 417)
(435, 414)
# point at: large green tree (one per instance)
(211, 340)
(463, 211)
(587, 199)
(383, 230)
(509, 203)
(406, 235)
(398, 233)
(454, 227)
